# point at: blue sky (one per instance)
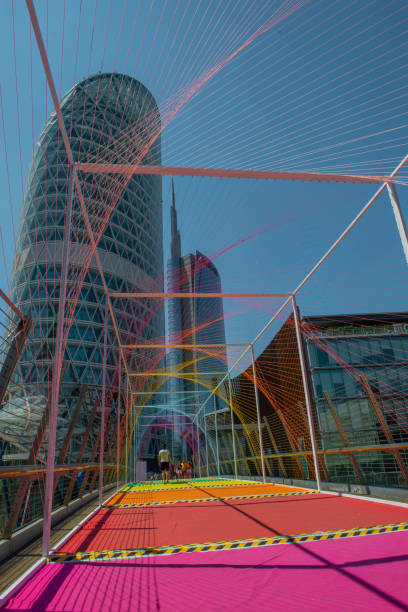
(325, 88)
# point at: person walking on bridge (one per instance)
(164, 460)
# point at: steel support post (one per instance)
(130, 459)
(198, 450)
(234, 450)
(402, 228)
(56, 374)
(134, 441)
(306, 389)
(206, 445)
(258, 414)
(193, 445)
(216, 437)
(172, 433)
(129, 399)
(103, 403)
(118, 420)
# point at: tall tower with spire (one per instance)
(175, 246)
(174, 275)
(176, 399)
(192, 321)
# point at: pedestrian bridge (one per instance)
(219, 543)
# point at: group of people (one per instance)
(183, 469)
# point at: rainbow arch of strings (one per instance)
(269, 86)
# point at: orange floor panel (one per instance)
(200, 492)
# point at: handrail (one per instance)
(34, 470)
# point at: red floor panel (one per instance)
(113, 529)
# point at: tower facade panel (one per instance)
(109, 118)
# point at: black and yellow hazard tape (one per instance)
(170, 502)
(189, 486)
(109, 555)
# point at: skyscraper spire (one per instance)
(175, 245)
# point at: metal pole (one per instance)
(134, 442)
(134, 452)
(103, 403)
(130, 434)
(307, 392)
(216, 437)
(234, 450)
(118, 421)
(258, 414)
(56, 374)
(128, 409)
(125, 436)
(198, 450)
(402, 228)
(206, 444)
(172, 416)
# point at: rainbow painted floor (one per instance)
(220, 544)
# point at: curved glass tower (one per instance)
(109, 118)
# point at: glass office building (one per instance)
(345, 352)
(109, 118)
(357, 370)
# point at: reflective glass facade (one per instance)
(110, 118)
(338, 358)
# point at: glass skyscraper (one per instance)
(109, 118)
(193, 322)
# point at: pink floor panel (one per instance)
(367, 573)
